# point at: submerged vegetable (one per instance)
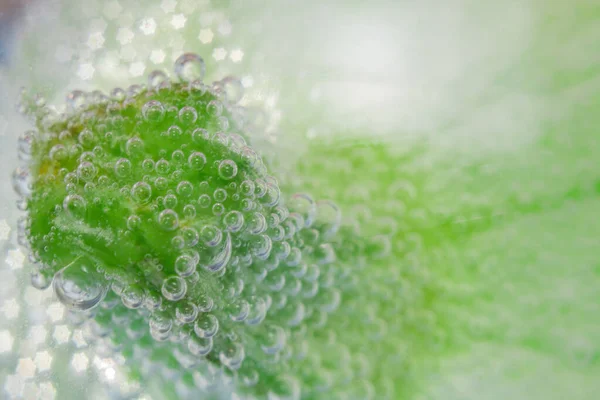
(150, 211)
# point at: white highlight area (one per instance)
(365, 48)
(426, 70)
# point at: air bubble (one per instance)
(25, 144)
(282, 212)
(87, 156)
(197, 161)
(189, 211)
(261, 246)
(256, 223)
(86, 171)
(76, 100)
(175, 132)
(310, 289)
(141, 192)
(162, 167)
(134, 146)
(380, 246)
(134, 90)
(294, 257)
(160, 323)
(221, 138)
(220, 195)
(296, 315)
(272, 195)
(153, 111)
(118, 94)
(40, 281)
(277, 233)
(156, 79)
(200, 346)
(132, 297)
(325, 254)
(190, 236)
(258, 312)
(297, 220)
(161, 183)
(200, 135)
(204, 201)
(70, 178)
(174, 288)
(328, 217)
(78, 289)
(160, 327)
(186, 312)
(246, 204)
(168, 220)
(206, 326)
(287, 388)
(249, 377)
(228, 169)
(239, 310)
(152, 301)
(218, 209)
(86, 138)
(247, 188)
(289, 228)
(185, 265)
(188, 115)
(260, 188)
(211, 235)
(58, 152)
(189, 67)
(234, 220)
(21, 180)
(234, 91)
(303, 204)
(123, 168)
(148, 165)
(273, 340)
(279, 301)
(169, 201)
(222, 256)
(223, 123)
(133, 222)
(232, 355)
(103, 181)
(185, 189)
(282, 250)
(178, 242)
(331, 300)
(75, 206)
(214, 108)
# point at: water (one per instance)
(497, 198)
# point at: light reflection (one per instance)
(148, 26)
(80, 362)
(110, 373)
(6, 341)
(206, 35)
(178, 21)
(43, 360)
(219, 53)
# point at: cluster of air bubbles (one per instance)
(152, 202)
